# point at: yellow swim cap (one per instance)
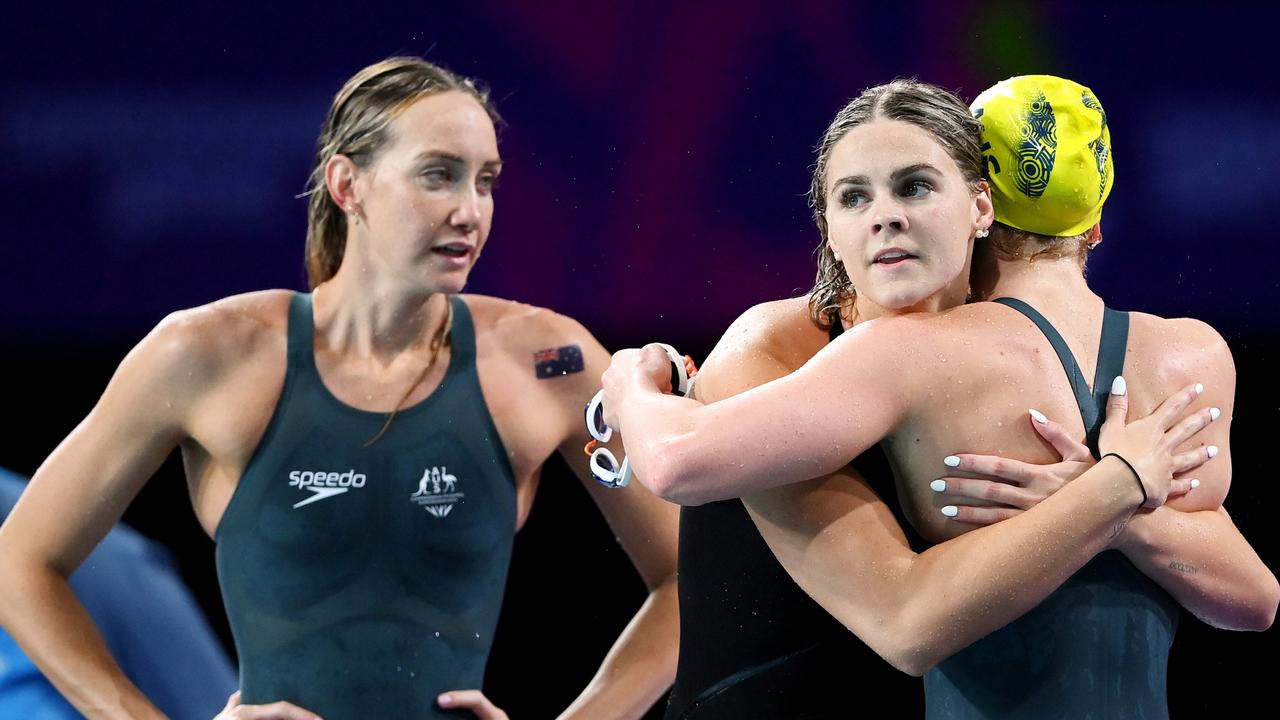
(1048, 154)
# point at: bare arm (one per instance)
(79, 492)
(916, 610)
(641, 665)
(690, 453)
(841, 543)
(1202, 560)
(1198, 556)
(1191, 547)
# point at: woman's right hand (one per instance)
(1150, 444)
(275, 711)
(649, 366)
(473, 700)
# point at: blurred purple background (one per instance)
(656, 157)
(656, 162)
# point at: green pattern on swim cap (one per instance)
(1101, 150)
(1049, 152)
(1038, 147)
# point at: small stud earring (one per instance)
(983, 233)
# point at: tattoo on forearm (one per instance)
(1117, 529)
(1183, 567)
(555, 362)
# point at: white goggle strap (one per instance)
(593, 411)
(679, 375)
(681, 384)
(624, 475)
(607, 477)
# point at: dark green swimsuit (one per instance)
(361, 582)
(1098, 647)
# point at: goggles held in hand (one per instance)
(604, 464)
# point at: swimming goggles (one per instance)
(604, 464)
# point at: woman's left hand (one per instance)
(1016, 486)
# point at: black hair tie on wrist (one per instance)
(1129, 465)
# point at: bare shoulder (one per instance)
(549, 355)
(202, 343)
(925, 331)
(985, 330)
(767, 341)
(518, 328)
(1180, 346)
(1166, 355)
(1185, 333)
(780, 329)
(972, 317)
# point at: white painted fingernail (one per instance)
(1213, 451)
(1038, 416)
(1214, 414)
(951, 461)
(1199, 388)
(1117, 386)
(1195, 484)
(938, 485)
(950, 511)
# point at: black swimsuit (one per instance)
(753, 644)
(360, 582)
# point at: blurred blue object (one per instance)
(149, 620)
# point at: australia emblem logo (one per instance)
(437, 491)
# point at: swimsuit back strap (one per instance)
(1111, 352)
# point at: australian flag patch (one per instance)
(557, 361)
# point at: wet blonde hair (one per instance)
(357, 126)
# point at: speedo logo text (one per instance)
(323, 484)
